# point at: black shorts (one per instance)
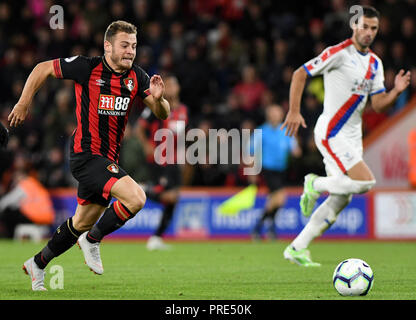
(96, 175)
(275, 180)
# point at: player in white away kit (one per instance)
(353, 76)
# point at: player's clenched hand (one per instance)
(18, 115)
(157, 87)
(292, 122)
(402, 80)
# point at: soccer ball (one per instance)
(353, 277)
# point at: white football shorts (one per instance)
(340, 153)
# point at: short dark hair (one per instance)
(119, 26)
(370, 12)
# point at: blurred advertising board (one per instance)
(196, 216)
(386, 148)
(288, 222)
(395, 215)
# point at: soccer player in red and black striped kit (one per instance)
(104, 88)
(166, 170)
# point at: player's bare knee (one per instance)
(135, 200)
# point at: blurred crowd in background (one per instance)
(232, 59)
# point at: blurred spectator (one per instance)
(282, 91)
(253, 24)
(146, 60)
(311, 110)
(177, 40)
(311, 161)
(11, 73)
(249, 89)
(384, 31)
(336, 22)
(27, 202)
(408, 36)
(232, 114)
(53, 173)
(398, 56)
(132, 156)
(117, 10)
(194, 77)
(96, 16)
(279, 60)
(170, 13)
(6, 24)
(57, 120)
(379, 48)
(141, 13)
(232, 58)
(154, 39)
(207, 173)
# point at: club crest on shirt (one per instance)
(317, 61)
(129, 83)
(113, 168)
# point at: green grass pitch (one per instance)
(216, 270)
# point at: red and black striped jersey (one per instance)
(103, 102)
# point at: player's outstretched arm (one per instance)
(33, 83)
(294, 118)
(155, 101)
(382, 101)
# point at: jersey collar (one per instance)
(362, 53)
(105, 63)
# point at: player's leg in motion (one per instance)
(169, 198)
(130, 200)
(65, 236)
(359, 179)
(273, 204)
(323, 217)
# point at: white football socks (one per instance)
(342, 184)
(322, 218)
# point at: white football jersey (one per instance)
(350, 76)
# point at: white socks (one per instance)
(322, 218)
(340, 190)
(342, 184)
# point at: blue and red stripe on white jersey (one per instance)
(350, 76)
